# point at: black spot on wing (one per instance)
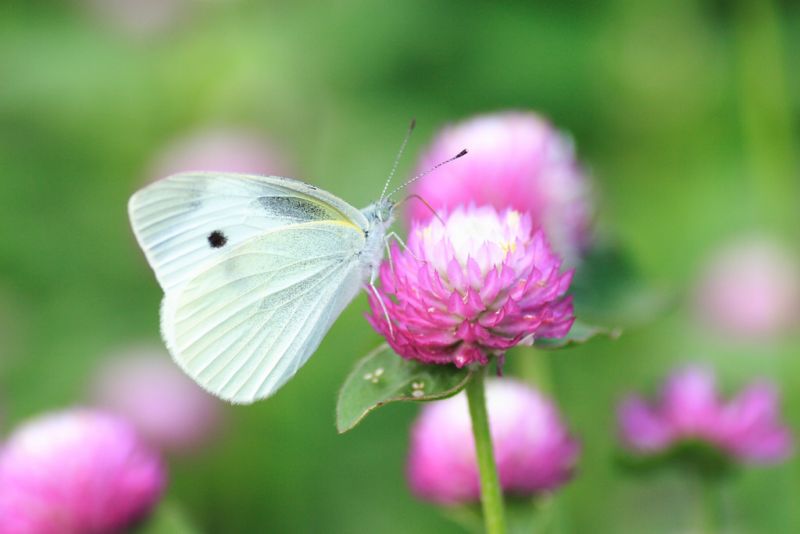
(295, 208)
(217, 239)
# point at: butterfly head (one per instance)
(380, 213)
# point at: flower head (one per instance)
(473, 286)
(77, 471)
(149, 390)
(516, 160)
(746, 428)
(750, 290)
(140, 18)
(533, 450)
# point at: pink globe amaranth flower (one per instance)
(516, 160)
(533, 450)
(139, 18)
(746, 428)
(223, 150)
(750, 290)
(145, 386)
(78, 471)
(471, 287)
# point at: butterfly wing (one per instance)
(188, 220)
(255, 269)
(244, 325)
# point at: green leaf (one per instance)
(382, 377)
(609, 290)
(579, 333)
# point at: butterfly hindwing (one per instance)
(244, 325)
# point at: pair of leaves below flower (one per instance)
(383, 377)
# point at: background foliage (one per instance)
(684, 111)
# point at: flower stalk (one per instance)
(534, 366)
(709, 520)
(491, 494)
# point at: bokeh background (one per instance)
(685, 112)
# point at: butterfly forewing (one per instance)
(188, 220)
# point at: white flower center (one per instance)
(470, 231)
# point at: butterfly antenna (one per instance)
(426, 173)
(425, 202)
(399, 155)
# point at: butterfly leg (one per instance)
(399, 239)
(389, 251)
(380, 300)
(395, 235)
(403, 244)
(391, 265)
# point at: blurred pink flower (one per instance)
(747, 428)
(750, 290)
(146, 387)
(472, 287)
(224, 150)
(139, 18)
(533, 450)
(76, 472)
(516, 160)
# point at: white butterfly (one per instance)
(255, 270)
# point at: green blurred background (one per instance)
(685, 112)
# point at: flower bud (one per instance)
(747, 428)
(145, 386)
(516, 160)
(533, 449)
(750, 290)
(223, 150)
(77, 471)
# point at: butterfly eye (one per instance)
(217, 239)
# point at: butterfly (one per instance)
(255, 270)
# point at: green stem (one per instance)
(491, 495)
(709, 520)
(766, 112)
(534, 367)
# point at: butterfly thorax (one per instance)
(380, 216)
